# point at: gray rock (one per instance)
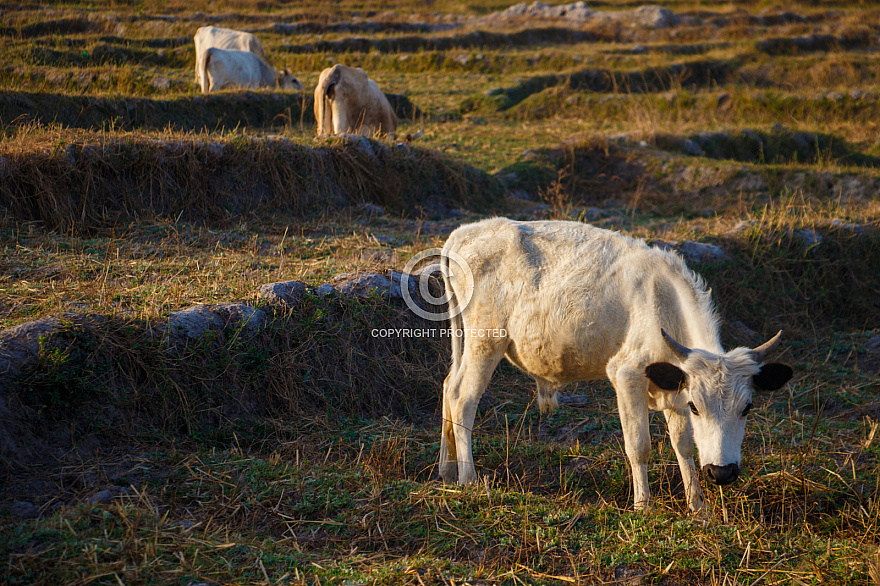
(810, 239)
(638, 50)
(743, 330)
(382, 257)
(593, 214)
(695, 252)
(872, 346)
(692, 148)
(325, 290)
(370, 283)
(371, 210)
(855, 229)
(249, 319)
(102, 497)
(22, 343)
(69, 156)
(24, 509)
(361, 143)
(654, 17)
(161, 83)
(702, 253)
(284, 292)
(456, 213)
(194, 321)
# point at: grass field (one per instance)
(305, 453)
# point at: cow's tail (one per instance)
(323, 109)
(456, 323)
(203, 71)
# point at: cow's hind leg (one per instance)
(682, 436)
(448, 460)
(461, 394)
(632, 403)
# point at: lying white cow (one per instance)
(223, 38)
(575, 302)
(226, 69)
(346, 100)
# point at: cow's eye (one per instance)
(747, 409)
(693, 408)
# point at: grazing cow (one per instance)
(223, 38)
(346, 100)
(566, 302)
(224, 69)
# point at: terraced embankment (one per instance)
(164, 418)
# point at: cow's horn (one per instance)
(766, 348)
(680, 351)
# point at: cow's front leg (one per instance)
(632, 403)
(682, 436)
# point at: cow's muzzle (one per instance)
(721, 474)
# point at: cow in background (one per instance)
(223, 38)
(347, 101)
(226, 69)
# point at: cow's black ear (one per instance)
(665, 376)
(772, 376)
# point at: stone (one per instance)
(194, 321)
(380, 257)
(809, 239)
(22, 343)
(872, 346)
(249, 320)
(695, 252)
(160, 83)
(370, 209)
(24, 509)
(854, 229)
(325, 290)
(370, 283)
(592, 214)
(654, 17)
(284, 292)
(743, 331)
(102, 497)
(703, 253)
(692, 148)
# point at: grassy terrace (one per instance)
(306, 454)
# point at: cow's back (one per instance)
(224, 38)
(570, 295)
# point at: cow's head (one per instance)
(718, 389)
(287, 81)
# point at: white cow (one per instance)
(223, 38)
(346, 100)
(225, 69)
(565, 302)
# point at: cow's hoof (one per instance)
(644, 506)
(449, 472)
